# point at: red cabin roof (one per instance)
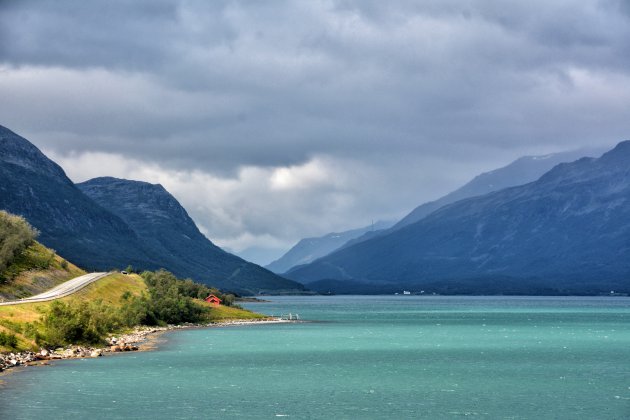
(213, 299)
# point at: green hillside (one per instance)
(115, 303)
(26, 266)
(21, 320)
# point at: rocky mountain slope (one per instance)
(522, 171)
(168, 232)
(566, 233)
(309, 249)
(95, 238)
(36, 188)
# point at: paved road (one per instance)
(64, 289)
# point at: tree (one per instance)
(15, 236)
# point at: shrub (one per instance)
(78, 323)
(15, 236)
(8, 340)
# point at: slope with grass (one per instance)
(44, 269)
(117, 301)
(20, 319)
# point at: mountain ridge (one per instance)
(36, 188)
(520, 171)
(95, 238)
(564, 233)
(153, 213)
(309, 249)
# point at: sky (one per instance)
(277, 120)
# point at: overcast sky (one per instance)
(271, 121)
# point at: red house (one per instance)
(212, 299)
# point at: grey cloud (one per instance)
(296, 79)
(425, 94)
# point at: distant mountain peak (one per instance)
(309, 249)
(521, 171)
(620, 151)
(129, 183)
(16, 150)
(149, 202)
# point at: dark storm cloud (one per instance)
(272, 83)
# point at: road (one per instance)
(62, 290)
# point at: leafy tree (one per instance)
(15, 236)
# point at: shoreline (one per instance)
(142, 338)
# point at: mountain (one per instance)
(519, 172)
(309, 249)
(96, 238)
(522, 171)
(566, 233)
(171, 235)
(257, 254)
(36, 188)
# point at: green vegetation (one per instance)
(80, 318)
(35, 270)
(76, 322)
(26, 266)
(15, 236)
(114, 304)
(8, 340)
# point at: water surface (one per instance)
(365, 357)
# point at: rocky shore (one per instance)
(139, 339)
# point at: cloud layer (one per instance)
(276, 120)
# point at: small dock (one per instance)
(290, 317)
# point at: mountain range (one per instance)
(565, 233)
(521, 171)
(106, 223)
(310, 249)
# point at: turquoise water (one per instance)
(365, 357)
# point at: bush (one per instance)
(78, 323)
(8, 340)
(15, 236)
